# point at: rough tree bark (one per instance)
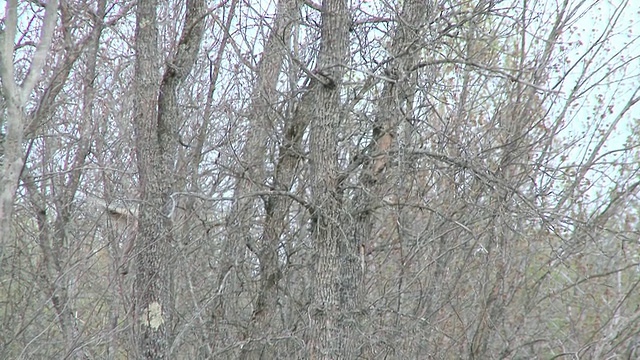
(152, 287)
(156, 143)
(335, 293)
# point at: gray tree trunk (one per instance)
(152, 287)
(335, 290)
(16, 97)
(156, 146)
(264, 319)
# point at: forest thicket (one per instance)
(306, 179)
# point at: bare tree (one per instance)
(16, 95)
(300, 179)
(156, 146)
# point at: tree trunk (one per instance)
(156, 147)
(335, 291)
(152, 287)
(16, 97)
(264, 318)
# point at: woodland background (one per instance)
(402, 179)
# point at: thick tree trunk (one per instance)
(152, 287)
(156, 146)
(335, 290)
